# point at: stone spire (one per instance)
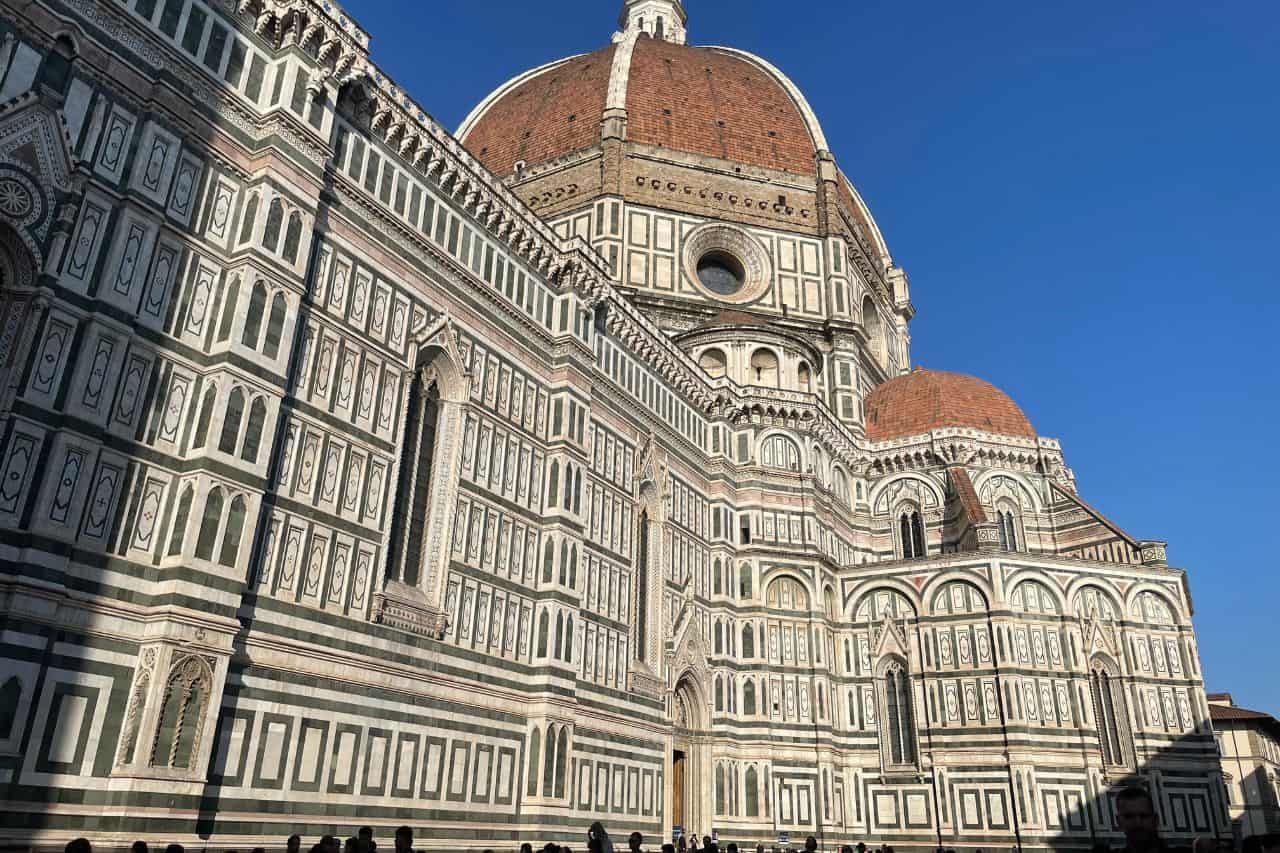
(661, 19)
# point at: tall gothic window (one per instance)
(1007, 522)
(642, 583)
(778, 451)
(413, 492)
(1108, 712)
(897, 734)
(911, 534)
(178, 732)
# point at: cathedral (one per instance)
(569, 466)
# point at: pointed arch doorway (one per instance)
(688, 790)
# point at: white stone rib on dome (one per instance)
(810, 117)
(881, 246)
(481, 108)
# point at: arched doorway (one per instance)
(688, 788)
(17, 288)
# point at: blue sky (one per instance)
(1083, 195)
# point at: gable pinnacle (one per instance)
(660, 19)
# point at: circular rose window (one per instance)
(726, 263)
(720, 272)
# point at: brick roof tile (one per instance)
(924, 400)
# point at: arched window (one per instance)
(275, 326)
(535, 743)
(250, 215)
(206, 413)
(182, 715)
(413, 492)
(568, 486)
(573, 567)
(803, 377)
(553, 484)
(231, 421)
(872, 327)
(568, 640)
(1108, 712)
(275, 220)
(717, 584)
(564, 562)
(10, 695)
(253, 432)
(898, 731)
(544, 628)
(548, 561)
(840, 485)
(778, 451)
(229, 309)
(559, 636)
(549, 763)
(764, 368)
(57, 64)
(292, 237)
(719, 638)
(911, 534)
(179, 530)
(577, 491)
(253, 320)
(751, 787)
(749, 697)
(209, 525)
(230, 549)
(829, 602)
(713, 362)
(719, 693)
(1007, 522)
(748, 641)
(720, 789)
(744, 581)
(562, 751)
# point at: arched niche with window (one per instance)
(1009, 526)
(873, 327)
(909, 532)
(713, 362)
(840, 486)
(897, 714)
(787, 593)
(780, 451)
(1109, 711)
(763, 368)
(426, 488)
(554, 763)
(183, 707)
(744, 581)
(804, 377)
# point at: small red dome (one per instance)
(925, 400)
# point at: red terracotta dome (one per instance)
(709, 101)
(925, 400)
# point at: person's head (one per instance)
(861, 847)
(668, 848)
(526, 848)
(706, 841)
(1136, 814)
(550, 847)
(634, 840)
(365, 833)
(351, 845)
(79, 845)
(810, 844)
(731, 848)
(404, 839)
(138, 846)
(294, 844)
(171, 848)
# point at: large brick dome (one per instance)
(924, 400)
(707, 101)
